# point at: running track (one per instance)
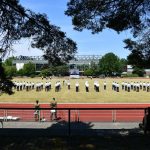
(82, 115)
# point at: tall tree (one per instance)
(119, 15)
(5, 82)
(109, 64)
(140, 54)
(16, 22)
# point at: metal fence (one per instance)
(70, 115)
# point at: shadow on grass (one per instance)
(82, 137)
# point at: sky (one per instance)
(87, 43)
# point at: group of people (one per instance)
(134, 86)
(53, 111)
(116, 86)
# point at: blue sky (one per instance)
(87, 43)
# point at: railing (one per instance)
(70, 115)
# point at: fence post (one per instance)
(5, 115)
(69, 129)
(113, 115)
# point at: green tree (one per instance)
(10, 70)
(20, 72)
(29, 69)
(109, 64)
(62, 70)
(46, 72)
(140, 72)
(8, 61)
(119, 15)
(17, 22)
(5, 82)
(88, 72)
(123, 65)
(140, 54)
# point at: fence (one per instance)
(70, 115)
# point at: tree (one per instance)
(29, 69)
(119, 15)
(10, 70)
(8, 61)
(140, 72)
(140, 54)
(123, 65)
(109, 64)
(16, 23)
(5, 82)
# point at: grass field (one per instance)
(66, 96)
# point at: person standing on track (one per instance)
(53, 112)
(37, 111)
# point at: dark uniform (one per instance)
(37, 111)
(53, 105)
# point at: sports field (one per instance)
(71, 96)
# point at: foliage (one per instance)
(20, 72)
(8, 61)
(62, 70)
(10, 71)
(45, 72)
(129, 75)
(109, 64)
(5, 83)
(29, 69)
(140, 54)
(123, 65)
(118, 15)
(140, 72)
(16, 23)
(88, 72)
(55, 70)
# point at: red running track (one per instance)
(81, 115)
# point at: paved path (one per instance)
(61, 128)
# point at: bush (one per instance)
(129, 75)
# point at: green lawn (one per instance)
(66, 96)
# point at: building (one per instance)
(130, 70)
(39, 61)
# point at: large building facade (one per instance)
(40, 62)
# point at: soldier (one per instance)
(117, 87)
(77, 87)
(126, 86)
(137, 87)
(148, 86)
(144, 86)
(96, 86)
(53, 105)
(68, 84)
(104, 85)
(123, 85)
(87, 86)
(37, 111)
(129, 87)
